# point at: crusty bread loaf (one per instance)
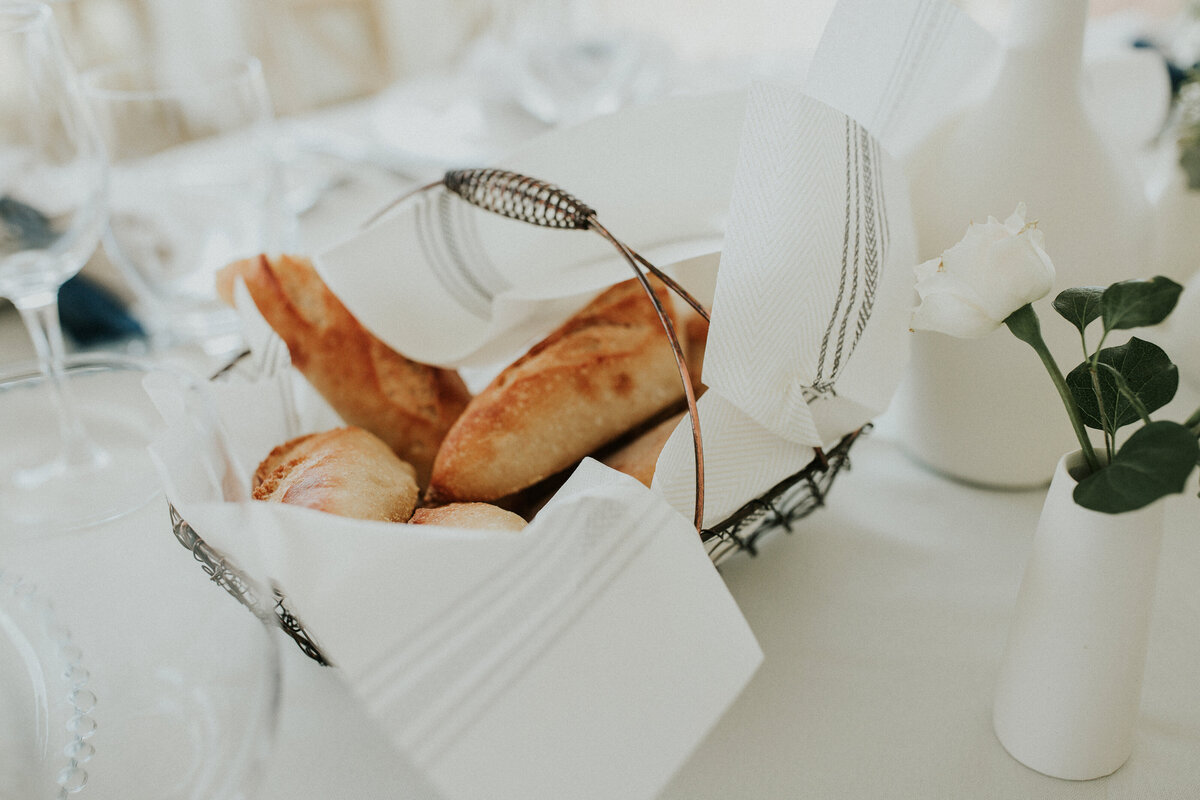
(469, 515)
(694, 339)
(639, 457)
(346, 471)
(606, 370)
(410, 406)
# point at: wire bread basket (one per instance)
(539, 203)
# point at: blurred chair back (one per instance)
(104, 31)
(318, 52)
(314, 52)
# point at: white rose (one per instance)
(995, 269)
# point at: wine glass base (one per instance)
(43, 488)
(70, 496)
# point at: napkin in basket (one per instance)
(490, 286)
(816, 274)
(584, 657)
(812, 301)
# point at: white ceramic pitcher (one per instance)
(983, 410)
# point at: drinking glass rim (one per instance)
(26, 372)
(25, 16)
(212, 78)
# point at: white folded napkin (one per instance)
(659, 178)
(810, 318)
(901, 67)
(583, 657)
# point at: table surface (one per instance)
(882, 620)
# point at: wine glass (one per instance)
(192, 187)
(53, 180)
(568, 64)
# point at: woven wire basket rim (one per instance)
(788, 501)
(776, 509)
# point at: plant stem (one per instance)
(1193, 421)
(1109, 429)
(1025, 326)
(1104, 423)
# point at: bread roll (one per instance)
(469, 515)
(346, 471)
(410, 406)
(605, 371)
(639, 457)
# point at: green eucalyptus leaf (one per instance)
(1147, 371)
(1155, 462)
(1126, 393)
(1080, 305)
(1138, 303)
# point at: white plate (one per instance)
(46, 725)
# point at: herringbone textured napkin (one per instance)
(810, 319)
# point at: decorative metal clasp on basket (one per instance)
(242, 589)
(536, 202)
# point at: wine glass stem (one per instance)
(40, 315)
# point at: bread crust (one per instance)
(694, 338)
(639, 457)
(346, 471)
(409, 405)
(483, 516)
(606, 370)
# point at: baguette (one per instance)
(410, 406)
(605, 371)
(639, 457)
(694, 338)
(345, 471)
(469, 515)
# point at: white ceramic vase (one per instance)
(1030, 140)
(1176, 219)
(1070, 682)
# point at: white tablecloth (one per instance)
(883, 619)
